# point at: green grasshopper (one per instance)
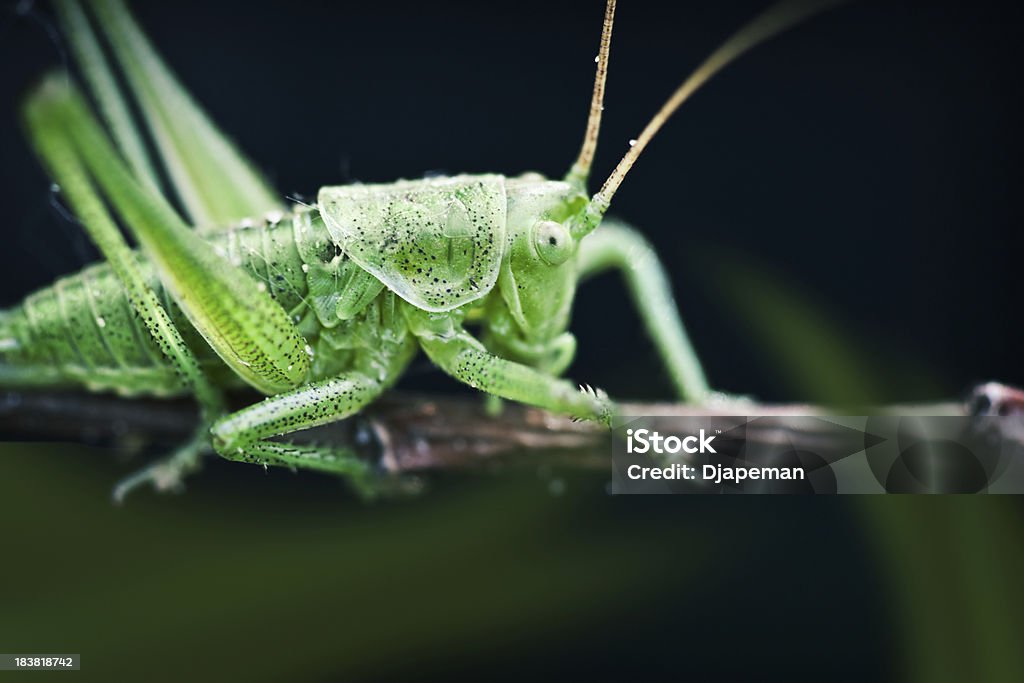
(321, 308)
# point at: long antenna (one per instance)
(581, 169)
(768, 24)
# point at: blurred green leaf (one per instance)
(953, 564)
(806, 344)
(284, 580)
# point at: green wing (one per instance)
(436, 243)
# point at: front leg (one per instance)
(463, 357)
(616, 245)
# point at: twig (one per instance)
(410, 432)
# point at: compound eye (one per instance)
(553, 242)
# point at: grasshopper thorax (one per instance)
(441, 243)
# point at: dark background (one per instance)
(843, 203)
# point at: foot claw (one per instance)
(603, 408)
(166, 475)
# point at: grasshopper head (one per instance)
(538, 275)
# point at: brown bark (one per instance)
(411, 432)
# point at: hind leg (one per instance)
(46, 114)
(216, 183)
